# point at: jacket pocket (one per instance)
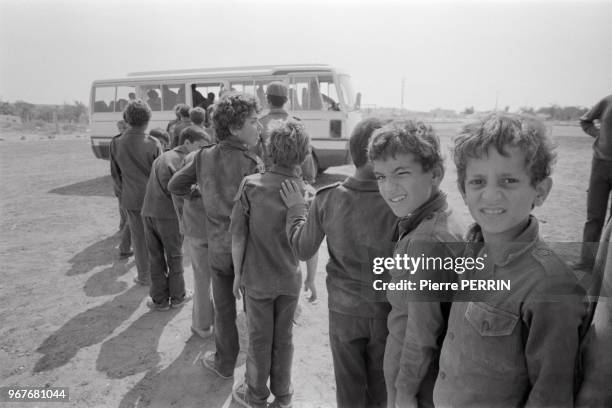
(490, 321)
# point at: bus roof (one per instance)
(221, 72)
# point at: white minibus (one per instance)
(321, 96)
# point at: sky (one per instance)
(448, 54)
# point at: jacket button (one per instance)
(442, 375)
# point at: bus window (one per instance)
(305, 94)
(347, 91)
(104, 99)
(329, 93)
(210, 91)
(123, 97)
(150, 94)
(243, 86)
(172, 95)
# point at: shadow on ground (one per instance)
(185, 382)
(106, 281)
(100, 186)
(88, 328)
(99, 253)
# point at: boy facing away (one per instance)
(514, 347)
(267, 269)
(359, 226)
(161, 226)
(218, 170)
(409, 168)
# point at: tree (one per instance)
(468, 110)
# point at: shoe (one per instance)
(209, 362)
(582, 266)
(141, 282)
(125, 255)
(202, 333)
(179, 303)
(277, 404)
(160, 307)
(239, 393)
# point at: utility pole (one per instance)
(403, 85)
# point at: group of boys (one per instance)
(520, 347)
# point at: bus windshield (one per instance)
(347, 91)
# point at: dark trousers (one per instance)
(358, 349)
(270, 354)
(226, 332)
(165, 249)
(600, 186)
(138, 243)
(125, 245)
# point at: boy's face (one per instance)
(403, 183)
(250, 131)
(499, 193)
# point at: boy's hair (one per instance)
(502, 130)
(192, 134)
(161, 135)
(276, 101)
(358, 143)
(231, 111)
(197, 115)
(137, 113)
(121, 125)
(289, 143)
(407, 137)
(182, 110)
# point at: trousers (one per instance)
(139, 245)
(203, 311)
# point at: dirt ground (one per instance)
(70, 315)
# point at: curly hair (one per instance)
(137, 113)
(407, 137)
(182, 110)
(231, 111)
(289, 143)
(503, 130)
(161, 135)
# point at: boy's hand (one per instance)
(290, 193)
(236, 287)
(310, 286)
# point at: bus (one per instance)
(320, 95)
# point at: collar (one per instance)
(233, 144)
(360, 185)
(284, 170)
(181, 149)
(509, 251)
(407, 224)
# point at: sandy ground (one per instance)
(70, 315)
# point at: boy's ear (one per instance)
(542, 190)
(437, 174)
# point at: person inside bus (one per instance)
(132, 96)
(154, 100)
(197, 97)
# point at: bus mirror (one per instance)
(358, 101)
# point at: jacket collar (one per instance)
(407, 224)
(232, 144)
(360, 185)
(284, 171)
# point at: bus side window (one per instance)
(104, 99)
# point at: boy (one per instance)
(218, 170)
(409, 168)
(514, 347)
(357, 314)
(182, 112)
(162, 136)
(131, 156)
(163, 238)
(125, 244)
(268, 270)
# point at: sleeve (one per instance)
(115, 169)
(305, 229)
(181, 182)
(587, 121)
(239, 219)
(551, 348)
(426, 322)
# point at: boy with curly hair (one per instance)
(408, 166)
(267, 268)
(218, 171)
(515, 347)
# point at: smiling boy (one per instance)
(409, 168)
(517, 347)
